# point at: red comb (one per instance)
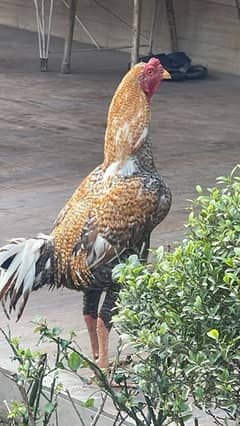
(154, 62)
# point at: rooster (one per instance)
(109, 217)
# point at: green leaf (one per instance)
(214, 334)
(38, 319)
(89, 403)
(198, 301)
(159, 253)
(199, 189)
(72, 334)
(15, 341)
(237, 251)
(74, 361)
(49, 408)
(186, 412)
(134, 260)
(56, 331)
(163, 329)
(119, 378)
(118, 271)
(64, 343)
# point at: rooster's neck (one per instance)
(127, 124)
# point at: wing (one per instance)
(86, 187)
(119, 220)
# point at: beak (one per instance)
(166, 75)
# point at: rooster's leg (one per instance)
(91, 323)
(103, 343)
(104, 326)
(90, 310)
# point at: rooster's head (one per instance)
(151, 75)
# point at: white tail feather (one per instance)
(17, 279)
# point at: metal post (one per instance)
(66, 63)
(80, 22)
(153, 27)
(238, 8)
(137, 7)
(43, 34)
(172, 24)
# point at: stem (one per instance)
(42, 367)
(45, 396)
(151, 412)
(53, 384)
(56, 363)
(75, 408)
(116, 421)
(122, 419)
(134, 416)
(100, 410)
(216, 418)
(8, 339)
(24, 396)
(160, 418)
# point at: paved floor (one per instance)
(51, 136)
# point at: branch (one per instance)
(99, 411)
(75, 408)
(24, 396)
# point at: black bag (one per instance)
(179, 66)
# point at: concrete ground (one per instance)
(51, 136)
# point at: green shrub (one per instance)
(182, 315)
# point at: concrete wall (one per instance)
(208, 30)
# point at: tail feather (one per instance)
(25, 264)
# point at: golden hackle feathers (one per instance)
(128, 118)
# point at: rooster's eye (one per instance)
(150, 71)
